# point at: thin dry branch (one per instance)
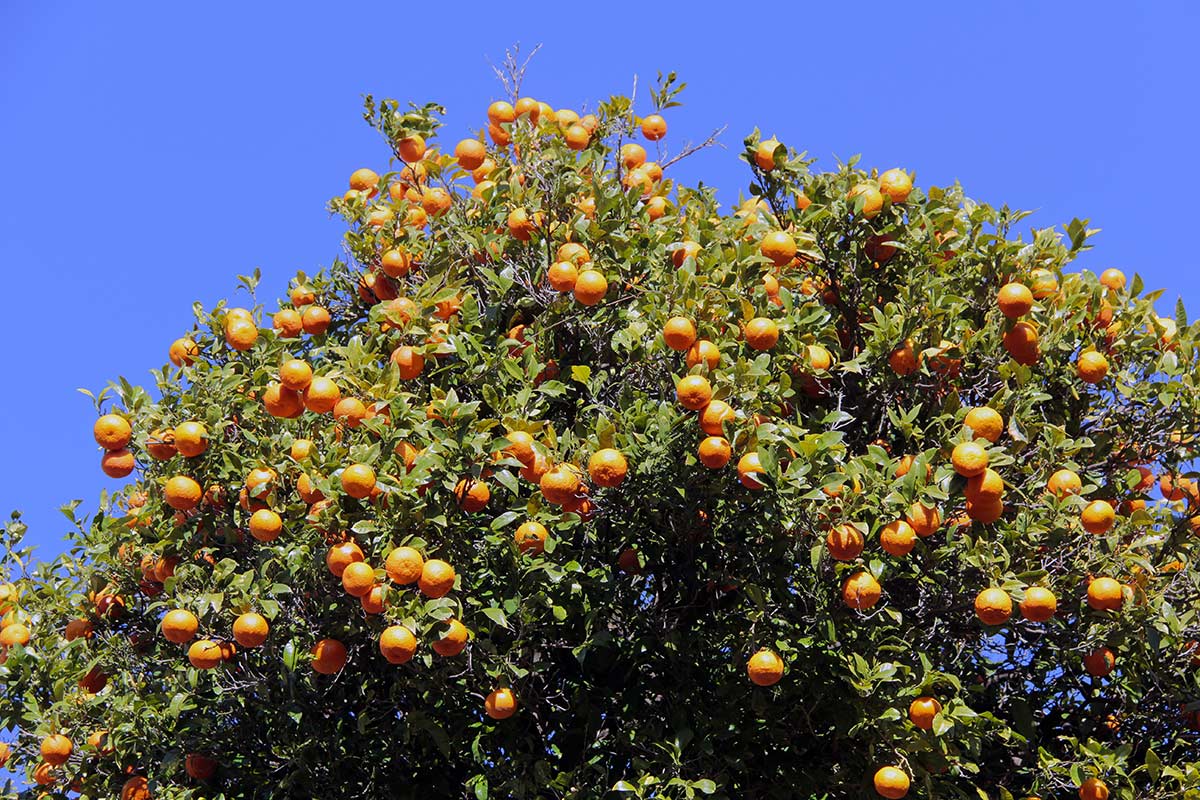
(511, 73)
(690, 149)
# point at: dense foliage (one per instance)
(654, 500)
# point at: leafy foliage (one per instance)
(626, 640)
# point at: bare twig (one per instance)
(690, 149)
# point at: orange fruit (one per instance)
(161, 445)
(265, 525)
(112, 432)
(101, 742)
(1105, 594)
(984, 488)
(191, 439)
(897, 538)
(845, 542)
(500, 703)
(922, 710)
(78, 629)
(199, 767)
(43, 775)
(560, 484)
(350, 411)
(765, 668)
(179, 626)
(470, 154)
(679, 333)
(136, 788)
(321, 395)
(985, 509)
(903, 360)
(1039, 604)
(896, 184)
(328, 656)
(654, 127)
(397, 644)
(404, 565)
(182, 493)
(761, 333)
(764, 154)
(358, 481)
(693, 392)
(713, 417)
(453, 639)
(1100, 662)
(687, 249)
(295, 374)
(341, 556)
(562, 276)
(411, 148)
(316, 320)
(240, 334)
(56, 749)
(410, 362)
(577, 137)
(1098, 517)
(287, 322)
(923, 519)
(531, 537)
(1091, 367)
(282, 402)
(590, 287)
(1113, 279)
(1021, 342)
(1064, 482)
(1093, 789)
(117, 463)
(749, 467)
(715, 452)
(15, 633)
(357, 578)
(891, 782)
(364, 180)
(969, 459)
(204, 654)
(633, 155)
(993, 606)
(472, 495)
(573, 253)
(501, 112)
(1014, 300)
(308, 490)
(867, 198)
(183, 352)
(778, 247)
(374, 601)
(607, 468)
(395, 263)
(250, 629)
(437, 578)
(520, 447)
(985, 423)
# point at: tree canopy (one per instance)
(568, 482)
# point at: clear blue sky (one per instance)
(152, 151)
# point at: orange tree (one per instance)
(567, 483)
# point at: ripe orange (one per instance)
(761, 333)
(316, 320)
(1098, 517)
(897, 538)
(845, 542)
(1091, 367)
(903, 360)
(250, 629)
(374, 601)
(560, 484)
(687, 249)
(679, 333)
(404, 565)
(453, 639)
(765, 668)
(161, 445)
(56, 749)
(896, 184)
(562, 276)
(764, 154)
(328, 656)
(350, 411)
(112, 432)
(713, 417)
(693, 392)
(78, 629)
(204, 654)
(922, 711)
(984, 488)
(410, 362)
(1093, 789)
(395, 263)
(969, 459)
(715, 452)
(573, 253)
(531, 537)
(15, 633)
(470, 154)
(985, 509)
(590, 287)
(633, 155)
(358, 481)
(321, 395)
(1064, 482)
(1100, 662)
(520, 447)
(993, 606)
(654, 127)
(287, 322)
(1039, 604)
(500, 703)
(500, 112)
(924, 520)
(1105, 594)
(985, 423)
(179, 626)
(1113, 279)
(279, 401)
(749, 467)
(397, 644)
(891, 782)
(607, 468)
(240, 334)
(182, 493)
(43, 775)
(191, 439)
(779, 247)
(341, 556)
(265, 525)
(357, 578)
(437, 578)
(199, 767)
(577, 137)
(411, 148)
(183, 352)
(295, 374)
(1021, 342)
(1014, 300)
(472, 495)
(867, 198)
(117, 463)
(364, 180)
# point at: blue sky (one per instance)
(153, 151)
